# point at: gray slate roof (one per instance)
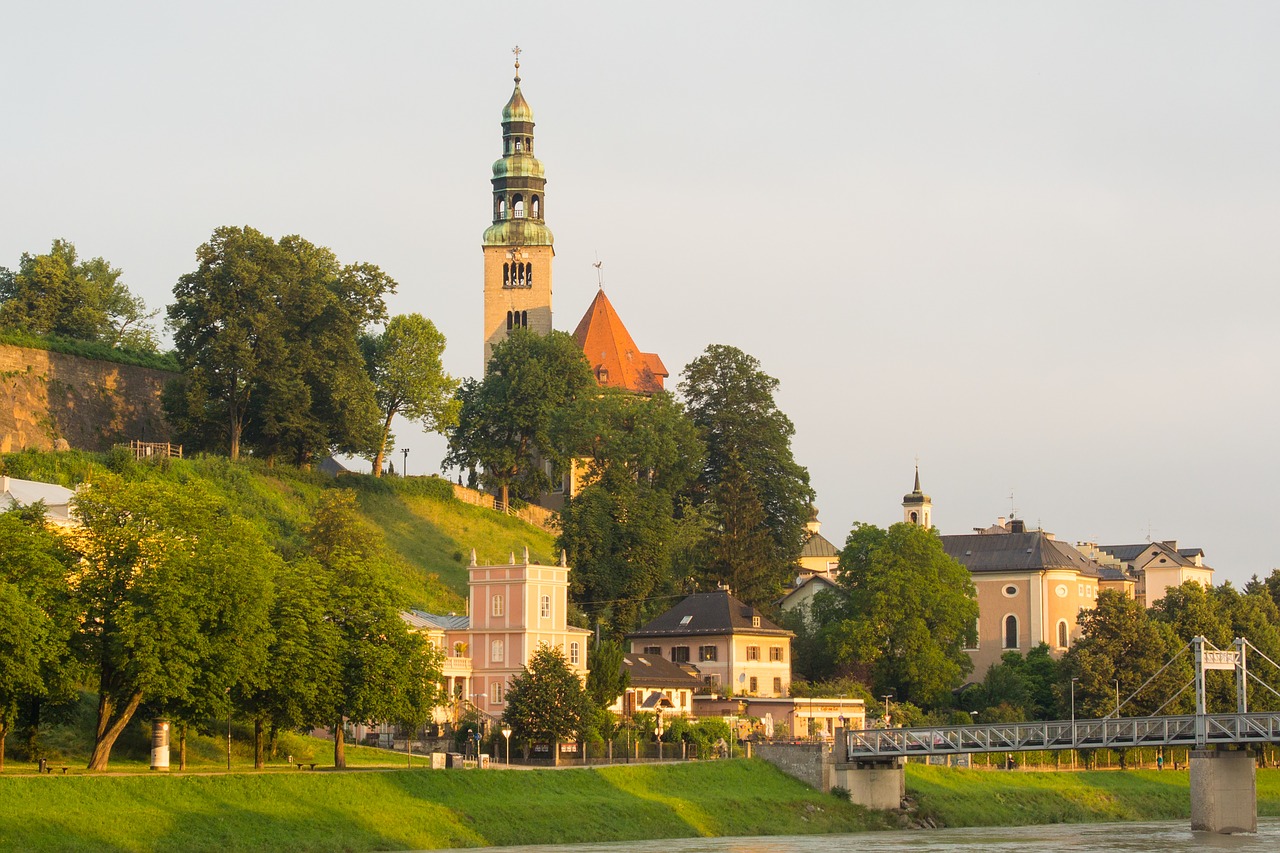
(1016, 552)
(657, 671)
(435, 620)
(708, 613)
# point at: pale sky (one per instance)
(1033, 244)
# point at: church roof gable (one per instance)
(615, 359)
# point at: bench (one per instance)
(302, 764)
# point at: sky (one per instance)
(1032, 245)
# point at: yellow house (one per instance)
(733, 647)
(1157, 566)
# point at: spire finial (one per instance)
(917, 474)
(517, 51)
(599, 265)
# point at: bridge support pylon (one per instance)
(876, 783)
(1224, 790)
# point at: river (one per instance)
(1161, 836)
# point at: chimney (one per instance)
(1000, 521)
(1017, 525)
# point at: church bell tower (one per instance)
(518, 246)
(917, 507)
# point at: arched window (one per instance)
(506, 275)
(536, 208)
(524, 319)
(528, 275)
(1011, 632)
(1062, 633)
(502, 208)
(914, 518)
(509, 320)
(517, 206)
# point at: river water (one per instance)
(1162, 836)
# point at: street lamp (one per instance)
(227, 692)
(1073, 722)
(887, 718)
(506, 733)
(404, 462)
(1117, 698)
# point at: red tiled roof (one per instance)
(615, 359)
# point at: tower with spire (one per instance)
(518, 246)
(917, 507)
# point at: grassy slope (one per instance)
(428, 540)
(995, 798)
(400, 810)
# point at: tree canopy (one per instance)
(58, 294)
(634, 457)
(267, 335)
(908, 613)
(173, 591)
(504, 427)
(546, 703)
(749, 467)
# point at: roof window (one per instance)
(685, 620)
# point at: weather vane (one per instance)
(599, 265)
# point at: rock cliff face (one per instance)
(50, 398)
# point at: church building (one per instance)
(518, 252)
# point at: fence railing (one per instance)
(1113, 733)
(535, 515)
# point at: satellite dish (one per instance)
(742, 676)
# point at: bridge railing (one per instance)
(1111, 733)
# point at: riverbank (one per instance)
(407, 810)
(958, 798)
(413, 810)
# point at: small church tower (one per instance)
(917, 508)
(518, 245)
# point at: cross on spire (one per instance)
(517, 51)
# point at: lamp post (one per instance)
(1117, 698)
(227, 693)
(404, 462)
(506, 734)
(1073, 722)
(887, 718)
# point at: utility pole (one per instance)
(404, 462)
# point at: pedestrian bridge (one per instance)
(1191, 730)
(868, 763)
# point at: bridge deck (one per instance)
(1116, 733)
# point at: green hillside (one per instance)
(426, 533)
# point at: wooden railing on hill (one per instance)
(155, 450)
(535, 515)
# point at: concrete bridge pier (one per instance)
(876, 783)
(1224, 790)
(879, 784)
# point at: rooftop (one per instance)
(705, 613)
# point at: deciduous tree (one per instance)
(58, 294)
(409, 378)
(173, 590)
(267, 337)
(620, 531)
(505, 420)
(910, 611)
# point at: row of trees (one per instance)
(672, 493)
(285, 352)
(169, 604)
